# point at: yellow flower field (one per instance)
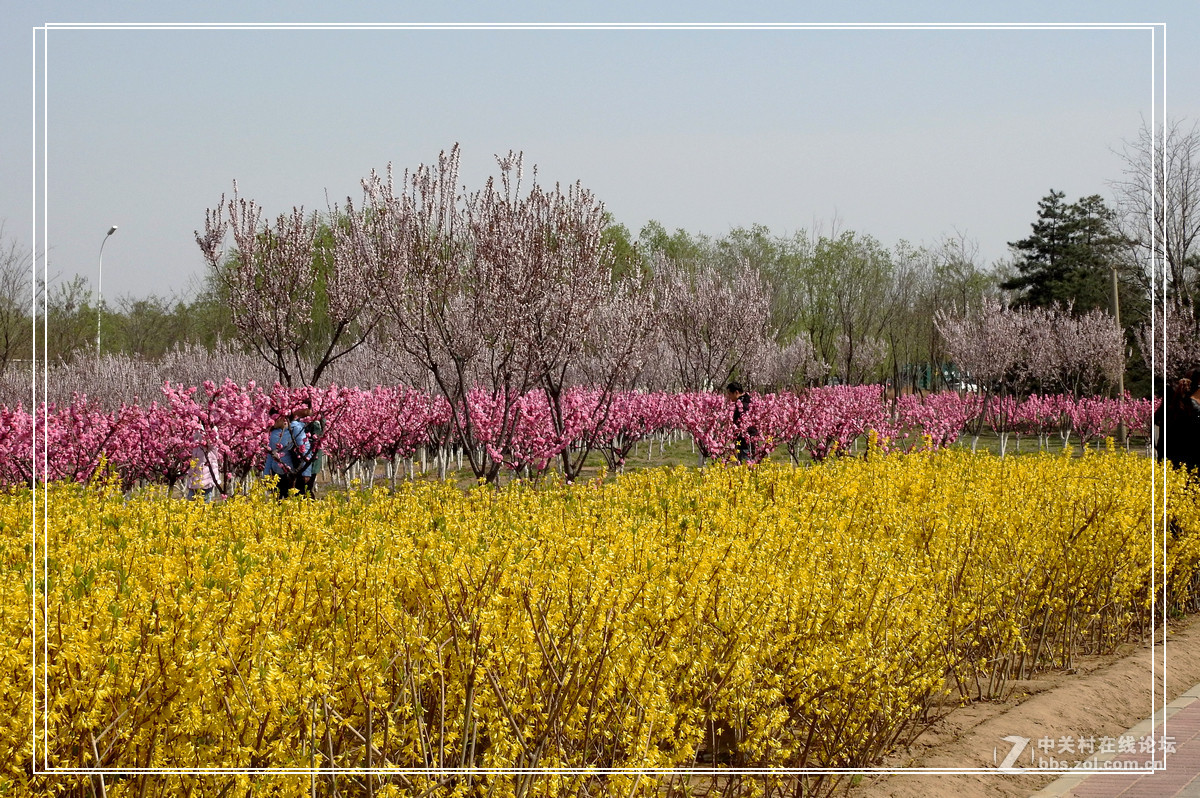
(765, 617)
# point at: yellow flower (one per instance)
(765, 617)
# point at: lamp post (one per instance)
(100, 288)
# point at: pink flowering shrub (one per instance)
(153, 443)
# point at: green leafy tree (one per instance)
(16, 325)
(1075, 253)
(205, 317)
(145, 327)
(69, 322)
(779, 260)
(679, 247)
(847, 300)
(623, 257)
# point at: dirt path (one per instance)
(1104, 697)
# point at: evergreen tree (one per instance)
(1069, 256)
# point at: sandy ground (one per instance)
(1104, 696)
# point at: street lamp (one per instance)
(100, 288)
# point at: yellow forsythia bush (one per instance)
(753, 617)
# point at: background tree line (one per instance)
(813, 306)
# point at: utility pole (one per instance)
(1122, 433)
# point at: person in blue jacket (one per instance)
(281, 458)
(302, 451)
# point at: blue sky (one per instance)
(898, 134)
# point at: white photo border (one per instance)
(40, 158)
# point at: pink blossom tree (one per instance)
(446, 308)
(17, 454)
(73, 439)
(632, 417)
(611, 350)
(985, 343)
(713, 326)
(1010, 351)
(1170, 342)
(1065, 351)
(280, 275)
(941, 417)
(501, 290)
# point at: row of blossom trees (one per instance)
(504, 290)
(1016, 352)
(1023, 350)
(511, 289)
(153, 442)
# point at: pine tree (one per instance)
(1069, 256)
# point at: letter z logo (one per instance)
(1018, 746)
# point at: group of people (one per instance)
(1177, 424)
(294, 455)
